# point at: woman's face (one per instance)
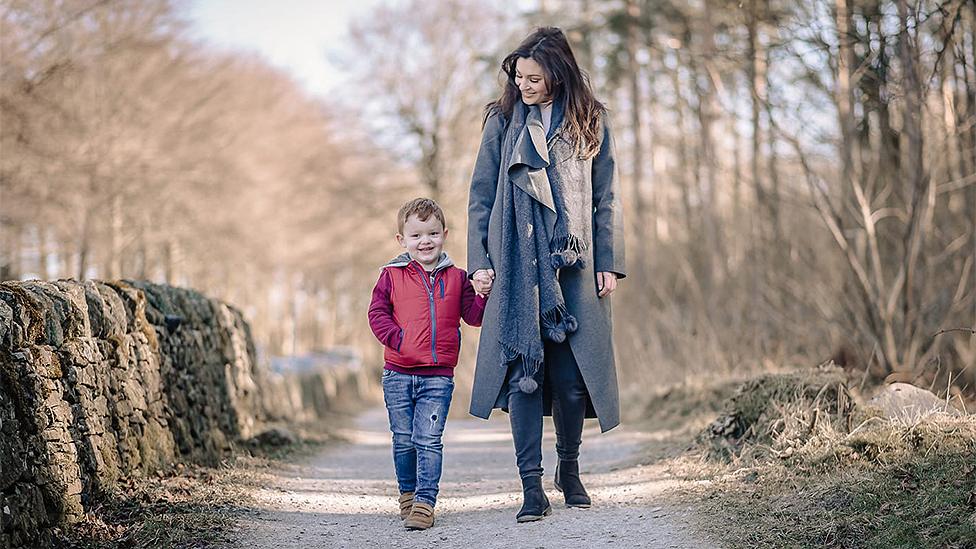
(531, 81)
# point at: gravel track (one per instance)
(345, 495)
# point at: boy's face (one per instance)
(423, 240)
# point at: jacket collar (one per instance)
(404, 259)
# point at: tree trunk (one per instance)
(757, 81)
(113, 267)
(843, 94)
(775, 191)
(706, 159)
(141, 266)
(683, 163)
(971, 90)
(968, 155)
(637, 151)
(584, 45)
(10, 259)
(756, 249)
(430, 166)
(654, 207)
(66, 256)
(172, 260)
(42, 252)
(919, 185)
(736, 167)
(84, 243)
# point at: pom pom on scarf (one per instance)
(556, 334)
(528, 384)
(556, 330)
(563, 259)
(569, 321)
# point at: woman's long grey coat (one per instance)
(592, 343)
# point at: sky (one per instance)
(295, 35)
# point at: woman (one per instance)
(545, 237)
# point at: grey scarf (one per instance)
(539, 216)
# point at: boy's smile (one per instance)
(423, 240)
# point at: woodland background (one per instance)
(799, 177)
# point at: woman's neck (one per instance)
(546, 109)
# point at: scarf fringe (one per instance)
(530, 366)
(556, 324)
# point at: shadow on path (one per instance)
(345, 496)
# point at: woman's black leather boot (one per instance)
(568, 482)
(535, 504)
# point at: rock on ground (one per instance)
(908, 402)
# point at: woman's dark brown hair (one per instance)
(548, 47)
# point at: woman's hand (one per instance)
(606, 283)
(482, 280)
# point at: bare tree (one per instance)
(434, 88)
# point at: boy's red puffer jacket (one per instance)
(417, 315)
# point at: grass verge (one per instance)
(187, 508)
(794, 462)
(192, 507)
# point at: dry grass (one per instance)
(793, 462)
(892, 485)
(189, 507)
(192, 507)
(774, 413)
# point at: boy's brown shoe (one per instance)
(421, 517)
(406, 502)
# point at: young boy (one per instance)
(415, 312)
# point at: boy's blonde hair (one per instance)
(423, 208)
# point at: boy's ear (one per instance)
(445, 232)
(399, 239)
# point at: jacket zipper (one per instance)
(429, 286)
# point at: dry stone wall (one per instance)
(104, 380)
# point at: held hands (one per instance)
(482, 280)
(606, 283)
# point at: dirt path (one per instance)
(345, 496)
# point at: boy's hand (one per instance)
(482, 280)
(606, 283)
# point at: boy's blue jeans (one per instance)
(418, 407)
